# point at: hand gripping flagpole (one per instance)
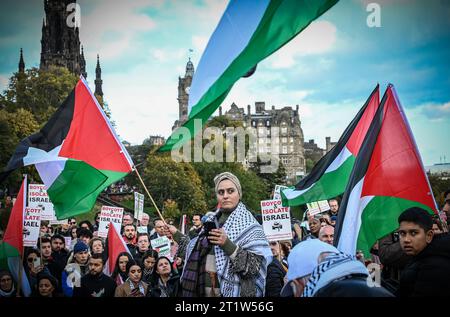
(149, 195)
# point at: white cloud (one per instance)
(109, 28)
(318, 38)
(199, 42)
(4, 79)
(436, 112)
(167, 55)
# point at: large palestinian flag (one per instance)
(248, 32)
(76, 153)
(330, 175)
(388, 178)
(11, 248)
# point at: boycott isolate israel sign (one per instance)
(276, 220)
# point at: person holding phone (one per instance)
(229, 257)
(34, 266)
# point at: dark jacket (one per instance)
(275, 278)
(173, 286)
(355, 286)
(95, 286)
(428, 274)
(394, 260)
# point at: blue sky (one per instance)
(328, 70)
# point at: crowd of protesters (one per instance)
(226, 253)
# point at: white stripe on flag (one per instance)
(14, 265)
(339, 160)
(234, 31)
(352, 220)
(292, 193)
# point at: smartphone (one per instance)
(209, 225)
(36, 262)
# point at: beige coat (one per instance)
(124, 290)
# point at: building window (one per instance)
(291, 148)
(292, 140)
(254, 123)
(284, 149)
(283, 130)
(284, 140)
(268, 123)
(284, 160)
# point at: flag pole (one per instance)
(148, 193)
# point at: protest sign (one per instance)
(38, 198)
(109, 214)
(277, 192)
(162, 246)
(31, 226)
(276, 220)
(138, 206)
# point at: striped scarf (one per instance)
(193, 280)
(244, 231)
(335, 266)
(136, 291)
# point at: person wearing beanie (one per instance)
(75, 269)
(231, 254)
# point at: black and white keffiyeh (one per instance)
(245, 232)
(335, 266)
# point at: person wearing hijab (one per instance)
(7, 287)
(230, 255)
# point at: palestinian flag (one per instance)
(248, 32)
(11, 248)
(388, 178)
(76, 153)
(116, 245)
(330, 175)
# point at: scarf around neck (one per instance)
(335, 266)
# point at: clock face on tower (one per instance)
(187, 89)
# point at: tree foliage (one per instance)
(167, 179)
(38, 91)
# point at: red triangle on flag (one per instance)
(14, 231)
(116, 245)
(395, 168)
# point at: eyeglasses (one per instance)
(73, 222)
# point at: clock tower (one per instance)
(184, 85)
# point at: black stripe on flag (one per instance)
(361, 164)
(48, 138)
(322, 165)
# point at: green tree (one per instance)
(167, 179)
(171, 210)
(253, 187)
(439, 185)
(39, 91)
(309, 165)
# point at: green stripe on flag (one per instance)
(281, 22)
(380, 218)
(76, 189)
(7, 251)
(331, 184)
